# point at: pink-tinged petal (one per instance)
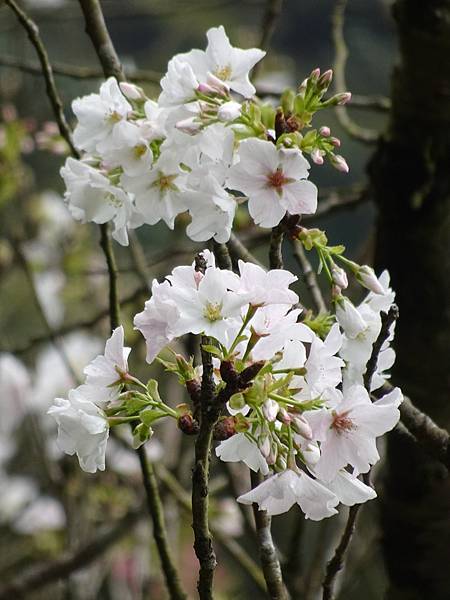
(315, 500)
(265, 208)
(294, 164)
(350, 490)
(300, 197)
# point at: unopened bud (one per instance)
(131, 91)
(224, 428)
(317, 157)
(194, 389)
(273, 454)
(315, 74)
(270, 409)
(336, 142)
(229, 111)
(301, 426)
(341, 99)
(325, 131)
(349, 318)
(190, 126)
(284, 416)
(264, 446)
(311, 452)
(366, 276)
(251, 372)
(339, 277)
(188, 425)
(339, 163)
(217, 84)
(325, 80)
(281, 463)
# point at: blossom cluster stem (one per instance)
(275, 249)
(203, 545)
(267, 551)
(159, 528)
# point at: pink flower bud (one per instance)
(301, 426)
(325, 80)
(366, 276)
(316, 156)
(339, 277)
(315, 74)
(325, 131)
(229, 111)
(339, 163)
(284, 416)
(270, 409)
(217, 84)
(190, 125)
(343, 98)
(336, 142)
(131, 91)
(198, 276)
(264, 446)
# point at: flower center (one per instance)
(114, 117)
(113, 200)
(276, 180)
(213, 311)
(165, 183)
(224, 73)
(341, 422)
(139, 150)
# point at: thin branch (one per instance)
(337, 562)
(267, 551)
(239, 251)
(222, 256)
(200, 477)
(230, 545)
(77, 72)
(38, 577)
(33, 34)
(367, 136)
(276, 248)
(377, 103)
(271, 15)
(292, 566)
(387, 320)
(50, 333)
(310, 277)
(155, 509)
(114, 305)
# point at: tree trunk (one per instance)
(410, 175)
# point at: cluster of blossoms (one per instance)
(205, 146)
(289, 393)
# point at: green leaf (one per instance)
(152, 386)
(212, 350)
(149, 415)
(134, 405)
(340, 249)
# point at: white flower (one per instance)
(348, 432)
(239, 448)
(211, 309)
(274, 181)
(157, 318)
(278, 493)
(211, 209)
(179, 83)
(276, 327)
(91, 197)
(82, 429)
(366, 276)
(129, 149)
(350, 490)
(266, 287)
(97, 116)
(229, 111)
(106, 370)
(349, 318)
(160, 191)
(323, 368)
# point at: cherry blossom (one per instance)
(275, 181)
(239, 448)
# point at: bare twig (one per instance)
(310, 277)
(230, 545)
(276, 248)
(33, 34)
(239, 251)
(387, 320)
(40, 576)
(367, 136)
(222, 256)
(77, 72)
(267, 551)
(271, 14)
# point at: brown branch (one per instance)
(40, 576)
(367, 136)
(267, 551)
(271, 15)
(387, 320)
(222, 256)
(310, 277)
(276, 248)
(239, 251)
(33, 34)
(77, 72)
(230, 545)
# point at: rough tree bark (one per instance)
(410, 175)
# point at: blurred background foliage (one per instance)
(53, 293)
